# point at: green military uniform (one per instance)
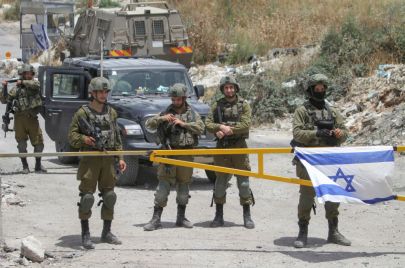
(236, 114)
(97, 170)
(310, 120)
(177, 138)
(26, 104)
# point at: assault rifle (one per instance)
(7, 118)
(92, 131)
(162, 138)
(329, 125)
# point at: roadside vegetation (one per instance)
(361, 33)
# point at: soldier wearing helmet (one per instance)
(95, 170)
(178, 127)
(26, 104)
(229, 119)
(317, 124)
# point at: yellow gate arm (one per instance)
(160, 156)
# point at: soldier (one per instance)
(178, 127)
(95, 170)
(26, 104)
(229, 119)
(317, 124)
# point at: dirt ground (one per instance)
(50, 214)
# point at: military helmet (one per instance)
(318, 79)
(178, 90)
(26, 68)
(99, 83)
(228, 80)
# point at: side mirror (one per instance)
(199, 90)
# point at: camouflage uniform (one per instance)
(236, 114)
(170, 175)
(309, 121)
(27, 103)
(95, 170)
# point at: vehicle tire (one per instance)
(130, 175)
(65, 147)
(211, 175)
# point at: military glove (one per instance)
(324, 133)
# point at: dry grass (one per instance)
(267, 24)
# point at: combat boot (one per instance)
(219, 216)
(334, 236)
(86, 241)
(107, 236)
(181, 218)
(38, 167)
(302, 238)
(24, 162)
(154, 223)
(247, 220)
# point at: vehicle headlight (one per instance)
(133, 130)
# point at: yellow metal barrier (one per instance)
(159, 156)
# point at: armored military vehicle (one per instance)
(139, 90)
(56, 17)
(139, 29)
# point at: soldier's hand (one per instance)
(4, 83)
(19, 82)
(220, 134)
(177, 121)
(168, 117)
(122, 165)
(324, 133)
(89, 141)
(338, 133)
(226, 130)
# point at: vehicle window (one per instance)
(146, 82)
(66, 86)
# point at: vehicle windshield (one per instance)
(150, 82)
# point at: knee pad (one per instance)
(22, 146)
(109, 199)
(38, 148)
(86, 202)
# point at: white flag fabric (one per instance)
(41, 36)
(350, 174)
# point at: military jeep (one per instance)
(139, 90)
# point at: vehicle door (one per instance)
(64, 90)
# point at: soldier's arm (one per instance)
(209, 121)
(341, 125)
(153, 123)
(245, 120)
(118, 144)
(32, 86)
(300, 133)
(76, 139)
(196, 127)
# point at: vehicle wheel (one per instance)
(64, 147)
(130, 175)
(211, 175)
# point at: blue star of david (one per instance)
(348, 179)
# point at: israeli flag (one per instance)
(41, 36)
(350, 174)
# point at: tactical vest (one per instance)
(322, 119)
(179, 137)
(229, 114)
(25, 101)
(317, 119)
(106, 123)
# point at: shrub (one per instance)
(108, 3)
(12, 13)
